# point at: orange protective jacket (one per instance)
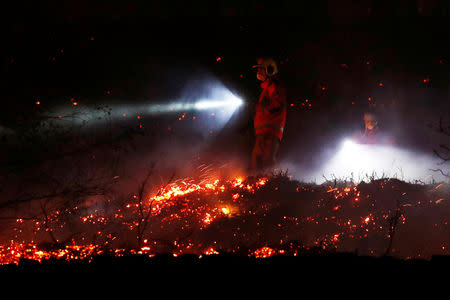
(270, 117)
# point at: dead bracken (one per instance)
(258, 217)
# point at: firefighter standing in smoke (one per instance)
(372, 135)
(270, 117)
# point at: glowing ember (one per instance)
(211, 251)
(226, 214)
(16, 251)
(264, 252)
(208, 219)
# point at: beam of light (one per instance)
(206, 99)
(366, 162)
(230, 102)
(226, 103)
(221, 99)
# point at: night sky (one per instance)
(338, 56)
(336, 61)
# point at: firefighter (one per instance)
(270, 116)
(372, 134)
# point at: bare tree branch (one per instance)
(440, 171)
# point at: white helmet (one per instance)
(269, 64)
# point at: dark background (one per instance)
(336, 54)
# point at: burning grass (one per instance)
(258, 217)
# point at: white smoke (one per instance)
(359, 162)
